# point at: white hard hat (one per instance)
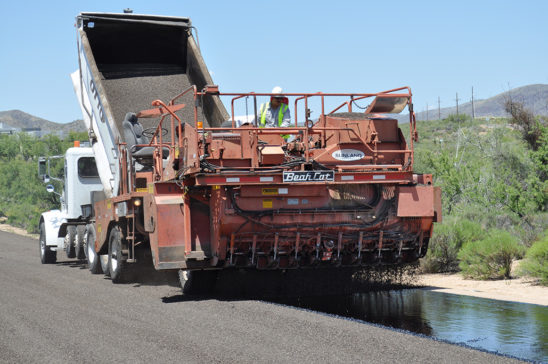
(277, 90)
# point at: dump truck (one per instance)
(180, 180)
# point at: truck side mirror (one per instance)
(50, 188)
(43, 169)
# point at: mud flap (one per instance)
(419, 201)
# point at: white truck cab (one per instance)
(64, 228)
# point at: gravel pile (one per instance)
(350, 115)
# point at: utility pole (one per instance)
(439, 110)
(457, 100)
(427, 112)
(473, 111)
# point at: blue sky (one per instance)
(437, 48)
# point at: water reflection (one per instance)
(516, 329)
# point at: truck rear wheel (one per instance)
(79, 248)
(103, 259)
(94, 265)
(47, 256)
(70, 238)
(118, 268)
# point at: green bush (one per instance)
(23, 195)
(447, 240)
(536, 261)
(490, 258)
(442, 252)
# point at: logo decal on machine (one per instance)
(275, 191)
(348, 155)
(309, 176)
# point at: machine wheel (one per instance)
(80, 250)
(118, 268)
(47, 256)
(70, 238)
(198, 282)
(103, 259)
(93, 258)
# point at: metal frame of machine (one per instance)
(341, 193)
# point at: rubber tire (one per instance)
(94, 265)
(47, 256)
(118, 268)
(70, 238)
(80, 249)
(200, 282)
(103, 259)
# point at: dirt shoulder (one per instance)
(15, 230)
(517, 290)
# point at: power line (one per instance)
(473, 111)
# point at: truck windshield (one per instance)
(87, 167)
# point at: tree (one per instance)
(530, 126)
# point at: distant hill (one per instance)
(534, 97)
(21, 120)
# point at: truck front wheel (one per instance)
(119, 270)
(93, 258)
(47, 256)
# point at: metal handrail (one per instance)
(305, 131)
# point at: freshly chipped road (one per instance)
(61, 313)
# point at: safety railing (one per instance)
(309, 128)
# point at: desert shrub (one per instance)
(458, 119)
(447, 240)
(442, 252)
(531, 228)
(536, 261)
(490, 258)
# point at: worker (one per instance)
(275, 113)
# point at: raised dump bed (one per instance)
(141, 58)
(126, 62)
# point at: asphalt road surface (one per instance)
(61, 313)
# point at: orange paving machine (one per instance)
(339, 192)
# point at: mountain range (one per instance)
(534, 97)
(17, 119)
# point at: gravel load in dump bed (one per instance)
(361, 115)
(133, 94)
(350, 115)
